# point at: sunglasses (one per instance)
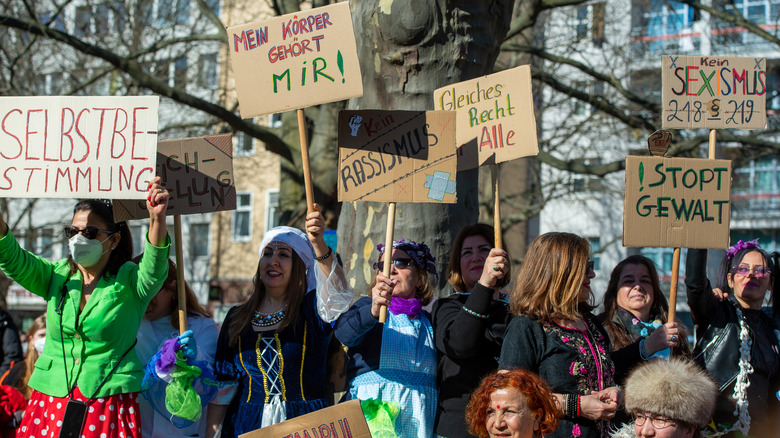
(758, 271)
(400, 263)
(89, 232)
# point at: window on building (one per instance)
(589, 23)
(199, 239)
(595, 252)
(242, 218)
(182, 12)
(768, 238)
(120, 16)
(45, 243)
(102, 19)
(180, 73)
(55, 22)
(663, 259)
(83, 24)
(275, 120)
(207, 71)
(245, 144)
(165, 10)
(271, 209)
(661, 19)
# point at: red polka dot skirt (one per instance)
(115, 416)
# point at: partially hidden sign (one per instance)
(295, 60)
(397, 156)
(495, 116)
(344, 420)
(714, 92)
(677, 202)
(198, 173)
(77, 147)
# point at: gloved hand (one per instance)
(189, 348)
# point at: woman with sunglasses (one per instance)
(87, 379)
(395, 361)
(272, 350)
(735, 340)
(469, 324)
(555, 335)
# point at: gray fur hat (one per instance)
(677, 388)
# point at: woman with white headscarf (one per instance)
(273, 348)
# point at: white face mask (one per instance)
(86, 252)
(38, 344)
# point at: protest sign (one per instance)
(677, 202)
(77, 147)
(295, 60)
(198, 173)
(713, 92)
(397, 156)
(344, 420)
(495, 117)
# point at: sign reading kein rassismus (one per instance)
(198, 173)
(495, 116)
(295, 60)
(714, 92)
(677, 202)
(397, 156)
(77, 147)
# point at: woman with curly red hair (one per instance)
(516, 403)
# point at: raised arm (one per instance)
(157, 204)
(701, 300)
(333, 292)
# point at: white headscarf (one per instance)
(299, 242)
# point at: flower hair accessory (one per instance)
(419, 252)
(733, 250)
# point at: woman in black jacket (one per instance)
(469, 324)
(735, 340)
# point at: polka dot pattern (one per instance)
(108, 417)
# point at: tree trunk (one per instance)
(407, 49)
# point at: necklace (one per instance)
(268, 319)
(741, 384)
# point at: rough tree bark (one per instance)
(407, 49)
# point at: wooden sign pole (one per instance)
(180, 275)
(305, 161)
(496, 209)
(388, 256)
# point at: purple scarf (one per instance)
(407, 306)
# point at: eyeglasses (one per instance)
(758, 271)
(89, 232)
(657, 422)
(400, 263)
(591, 266)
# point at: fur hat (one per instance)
(677, 388)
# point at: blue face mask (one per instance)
(86, 252)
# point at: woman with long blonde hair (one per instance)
(555, 335)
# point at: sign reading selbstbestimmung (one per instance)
(77, 147)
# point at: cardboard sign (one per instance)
(714, 92)
(397, 156)
(77, 147)
(198, 173)
(495, 116)
(677, 202)
(345, 420)
(295, 60)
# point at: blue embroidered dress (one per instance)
(282, 370)
(395, 361)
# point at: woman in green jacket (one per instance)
(87, 378)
